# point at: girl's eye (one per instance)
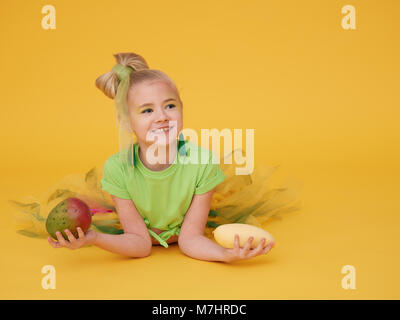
(171, 104)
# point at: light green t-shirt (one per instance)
(163, 197)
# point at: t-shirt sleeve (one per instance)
(113, 180)
(211, 175)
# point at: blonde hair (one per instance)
(108, 82)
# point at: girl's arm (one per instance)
(192, 241)
(136, 241)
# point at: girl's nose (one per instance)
(161, 115)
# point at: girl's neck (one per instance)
(157, 166)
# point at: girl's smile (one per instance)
(163, 130)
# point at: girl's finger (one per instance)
(247, 245)
(61, 240)
(268, 248)
(53, 243)
(262, 243)
(81, 234)
(237, 244)
(259, 249)
(70, 236)
(245, 251)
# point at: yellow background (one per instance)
(323, 102)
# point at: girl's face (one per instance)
(153, 105)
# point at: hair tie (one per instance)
(122, 71)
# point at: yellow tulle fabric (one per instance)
(239, 199)
(251, 199)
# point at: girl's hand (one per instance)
(238, 253)
(73, 243)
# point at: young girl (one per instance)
(170, 201)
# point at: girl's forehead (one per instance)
(148, 91)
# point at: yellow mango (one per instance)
(224, 235)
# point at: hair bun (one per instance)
(108, 82)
